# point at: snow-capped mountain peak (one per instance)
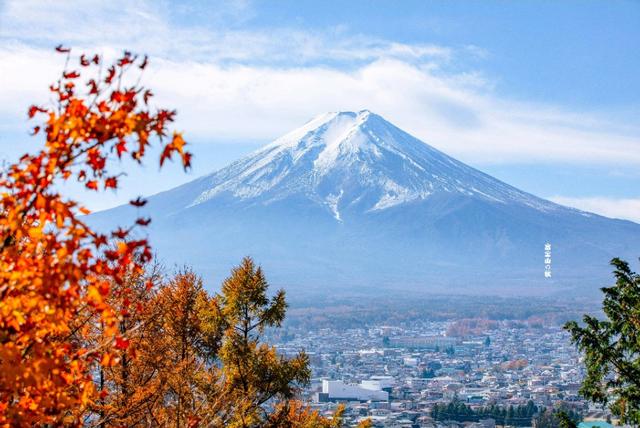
(348, 199)
(354, 161)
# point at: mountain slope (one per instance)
(349, 200)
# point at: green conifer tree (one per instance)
(611, 347)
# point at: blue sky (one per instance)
(571, 52)
(544, 95)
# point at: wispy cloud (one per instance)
(151, 27)
(622, 208)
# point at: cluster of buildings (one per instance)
(394, 375)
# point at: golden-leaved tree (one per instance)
(127, 381)
(200, 360)
(253, 374)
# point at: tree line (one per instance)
(518, 416)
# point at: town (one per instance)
(399, 376)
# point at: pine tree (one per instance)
(612, 347)
(510, 415)
(254, 374)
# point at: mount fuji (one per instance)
(349, 201)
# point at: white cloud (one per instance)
(623, 208)
(234, 84)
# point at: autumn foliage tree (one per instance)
(163, 377)
(200, 360)
(92, 333)
(56, 273)
(189, 340)
(252, 372)
(126, 380)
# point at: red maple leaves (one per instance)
(55, 270)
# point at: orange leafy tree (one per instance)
(56, 273)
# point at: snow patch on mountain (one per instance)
(332, 201)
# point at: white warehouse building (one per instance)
(366, 391)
